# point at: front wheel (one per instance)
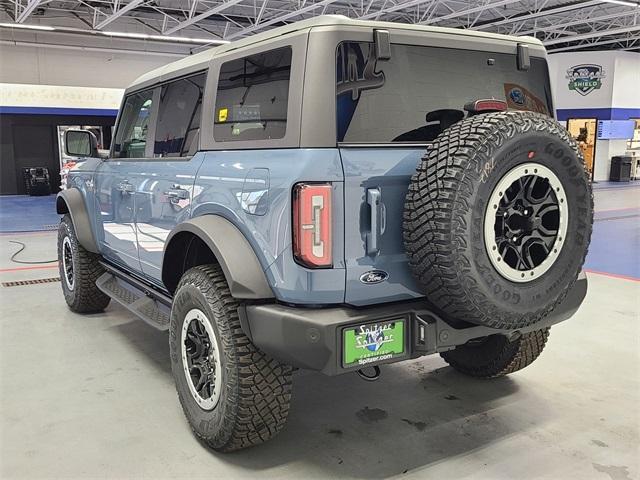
(233, 395)
(496, 355)
(79, 270)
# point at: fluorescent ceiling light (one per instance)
(165, 38)
(623, 2)
(139, 36)
(26, 26)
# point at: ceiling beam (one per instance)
(278, 19)
(31, 6)
(118, 13)
(393, 8)
(579, 21)
(595, 34)
(468, 11)
(540, 13)
(195, 19)
(595, 44)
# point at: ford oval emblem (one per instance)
(373, 276)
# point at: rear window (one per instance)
(421, 91)
(252, 97)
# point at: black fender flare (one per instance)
(71, 201)
(231, 249)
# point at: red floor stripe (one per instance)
(606, 210)
(34, 267)
(614, 275)
(29, 234)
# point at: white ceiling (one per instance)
(561, 25)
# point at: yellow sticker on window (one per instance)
(222, 114)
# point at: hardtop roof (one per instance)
(203, 58)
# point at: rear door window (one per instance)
(253, 96)
(421, 90)
(133, 126)
(179, 114)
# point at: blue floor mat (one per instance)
(615, 185)
(21, 213)
(615, 243)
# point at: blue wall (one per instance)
(101, 112)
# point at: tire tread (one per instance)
(260, 389)
(509, 357)
(86, 297)
(436, 212)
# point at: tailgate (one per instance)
(375, 186)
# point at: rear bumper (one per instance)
(312, 338)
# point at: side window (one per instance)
(252, 97)
(179, 117)
(131, 137)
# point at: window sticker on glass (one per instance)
(243, 113)
(222, 114)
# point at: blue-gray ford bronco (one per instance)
(332, 195)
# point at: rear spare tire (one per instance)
(498, 219)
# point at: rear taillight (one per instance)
(312, 224)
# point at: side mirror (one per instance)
(80, 143)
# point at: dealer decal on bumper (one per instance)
(373, 342)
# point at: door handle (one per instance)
(377, 220)
(125, 187)
(177, 193)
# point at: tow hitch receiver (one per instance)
(369, 377)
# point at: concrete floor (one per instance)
(92, 396)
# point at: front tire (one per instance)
(79, 270)
(496, 356)
(233, 395)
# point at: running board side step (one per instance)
(151, 306)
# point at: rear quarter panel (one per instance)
(252, 189)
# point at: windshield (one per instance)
(421, 91)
